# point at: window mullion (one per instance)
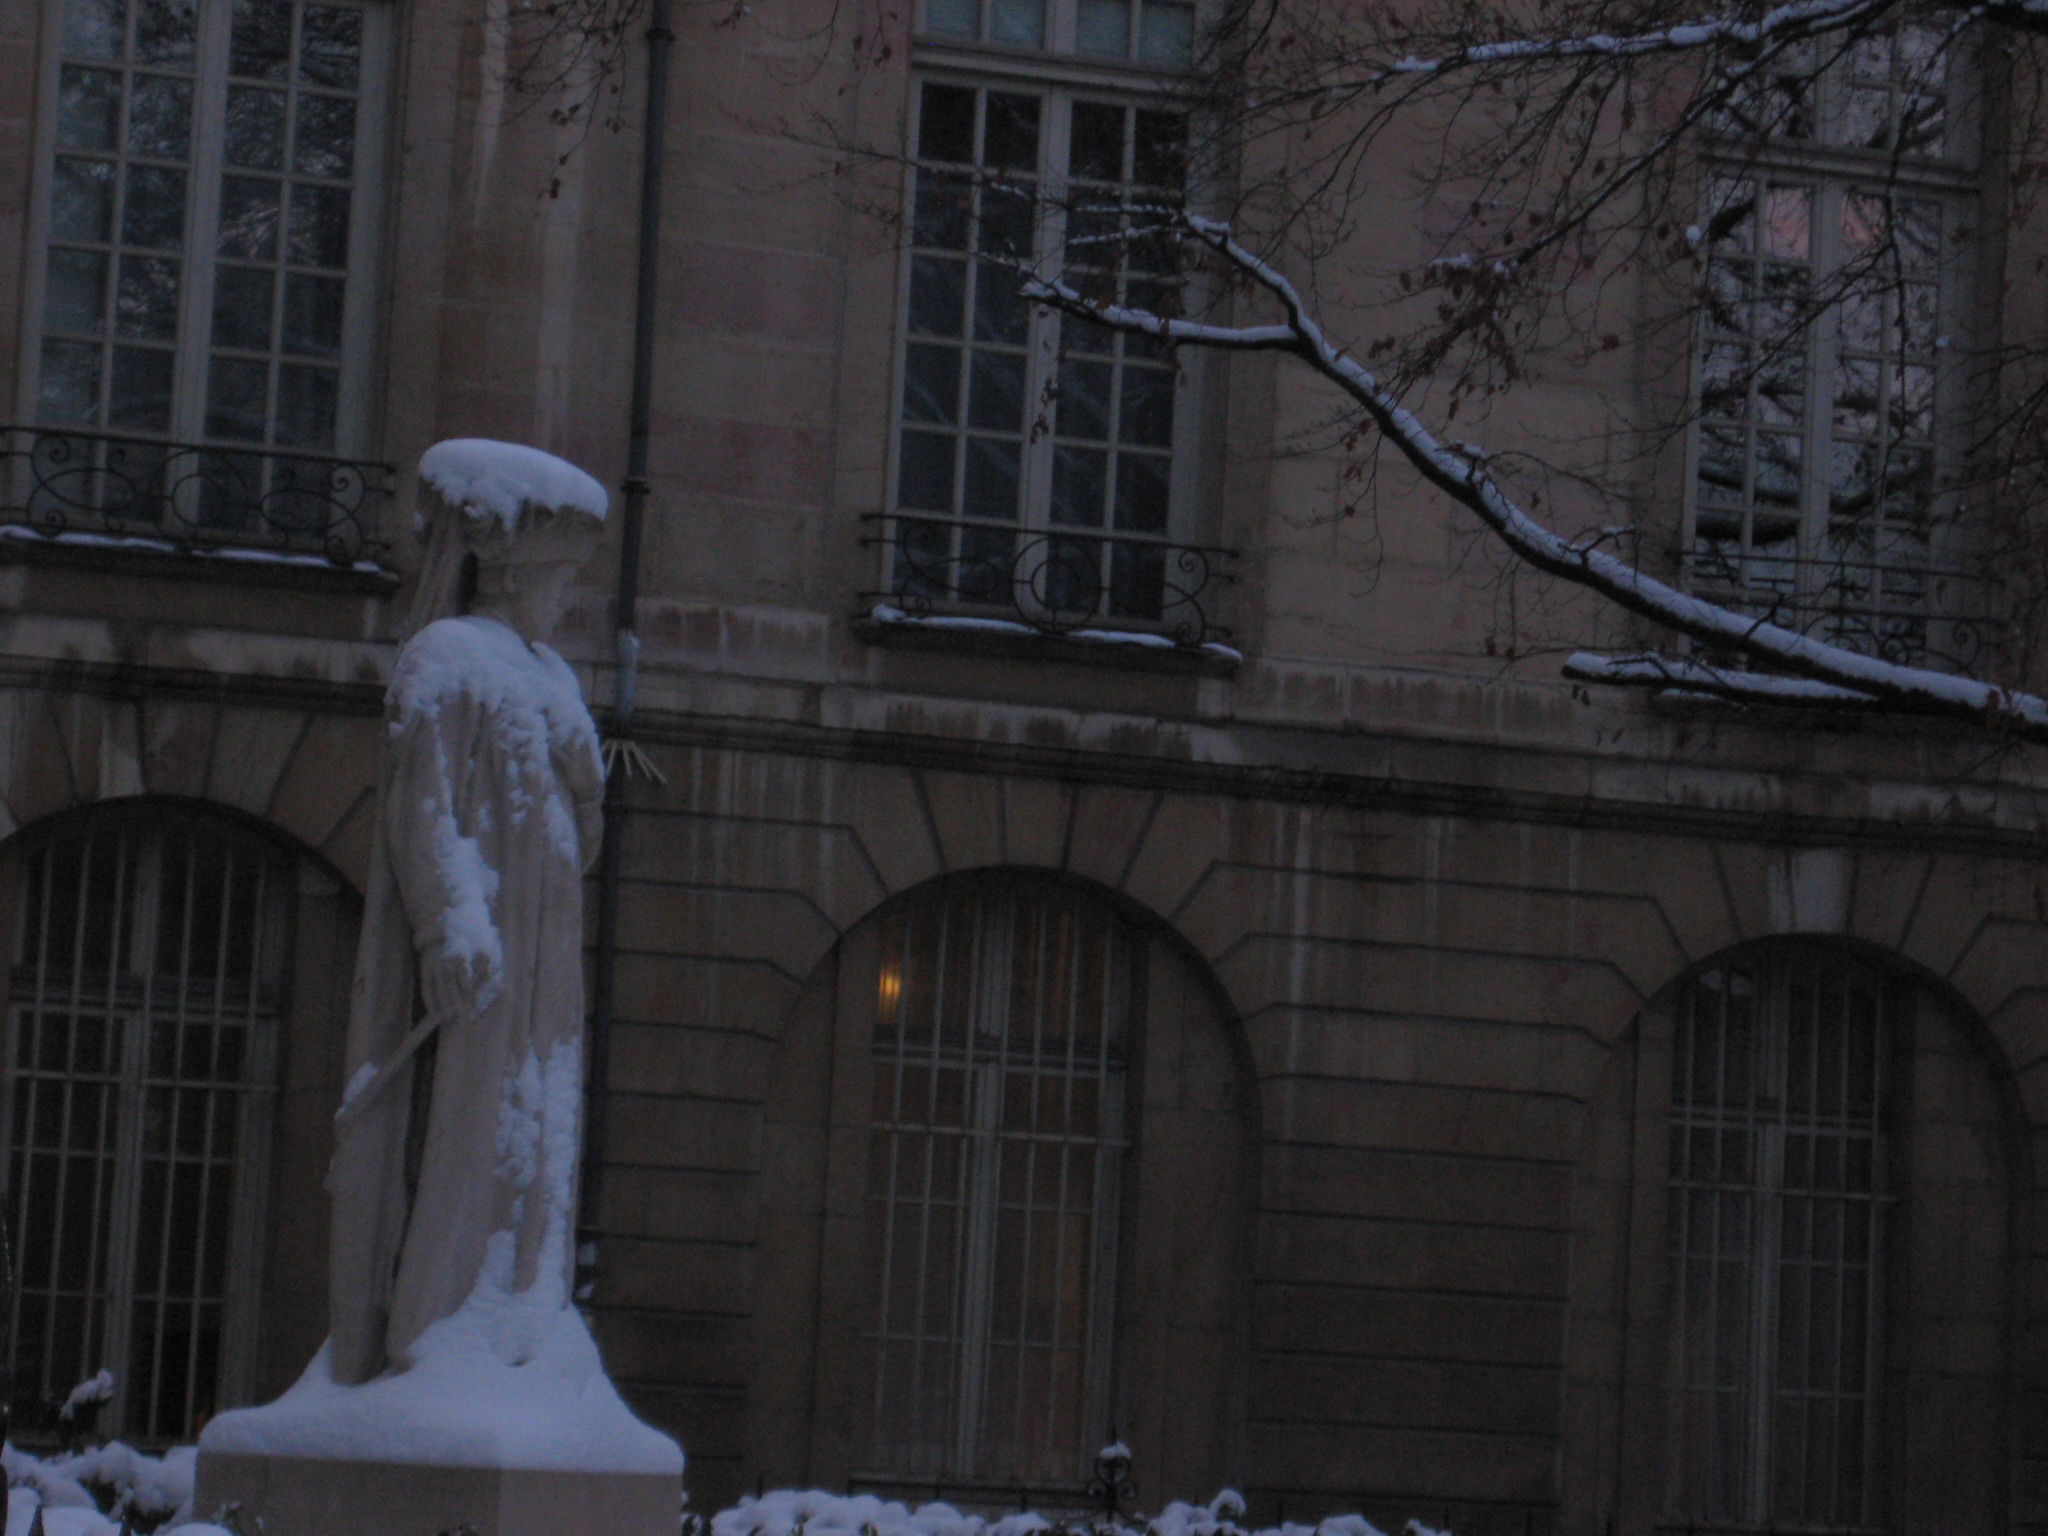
(1042, 369)
(1826, 263)
(195, 323)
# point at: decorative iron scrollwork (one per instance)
(1055, 581)
(63, 481)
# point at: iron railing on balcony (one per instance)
(1054, 580)
(1907, 611)
(61, 481)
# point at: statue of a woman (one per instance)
(473, 934)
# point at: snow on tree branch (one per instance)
(1821, 674)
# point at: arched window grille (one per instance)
(142, 1019)
(995, 1158)
(1779, 1195)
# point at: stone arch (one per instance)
(1187, 1189)
(1955, 1269)
(308, 772)
(312, 914)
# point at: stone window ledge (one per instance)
(885, 624)
(137, 555)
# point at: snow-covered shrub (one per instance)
(94, 1491)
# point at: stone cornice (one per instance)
(1270, 763)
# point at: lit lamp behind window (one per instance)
(889, 990)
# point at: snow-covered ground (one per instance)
(157, 1491)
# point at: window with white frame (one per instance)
(996, 1151)
(142, 1018)
(1157, 32)
(1781, 1100)
(1041, 467)
(1837, 236)
(210, 201)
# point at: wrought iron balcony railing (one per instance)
(58, 480)
(1905, 611)
(1055, 580)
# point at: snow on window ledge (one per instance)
(885, 623)
(76, 547)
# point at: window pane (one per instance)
(1010, 141)
(1103, 27)
(330, 47)
(93, 28)
(319, 226)
(1167, 33)
(312, 315)
(153, 208)
(946, 124)
(261, 41)
(88, 108)
(1017, 21)
(236, 399)
(938, 294)
(1097, 151)
(249, 210)
(82, 200)
(991, 477)
(931, 384)
(306, 401)
(924, 477)
(255, 128)
(140, 399)
(75, 291)
(324, 142)
(69, 386)
(1080, 481)
(242, 298)
(953, 18)
(146, 298)
(164, 31)
(159, 117)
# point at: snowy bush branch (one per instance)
(1820, 673)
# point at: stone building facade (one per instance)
(1343, 1064)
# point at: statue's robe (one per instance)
(490, 811)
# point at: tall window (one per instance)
(1838, 240)
(141, 1036)
(1780, 1104)
(1040, 462)
(208, 235)
(996, 1155)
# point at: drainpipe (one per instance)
(622, 758)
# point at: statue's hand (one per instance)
(453, 983)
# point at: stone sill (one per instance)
(1128, 651)
(157, 557)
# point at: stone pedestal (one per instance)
(310, 1496)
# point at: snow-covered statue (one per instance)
(455, 1347)
(489, 813)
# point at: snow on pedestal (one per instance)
(544, 1447)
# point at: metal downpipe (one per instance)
(622, 758)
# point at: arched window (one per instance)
(1001, 1021)
(1781, 1104)
(143, 1007)
(1008, 1175)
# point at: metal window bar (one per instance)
(1777, 1207)
(986, 1338)
(143, 1191)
